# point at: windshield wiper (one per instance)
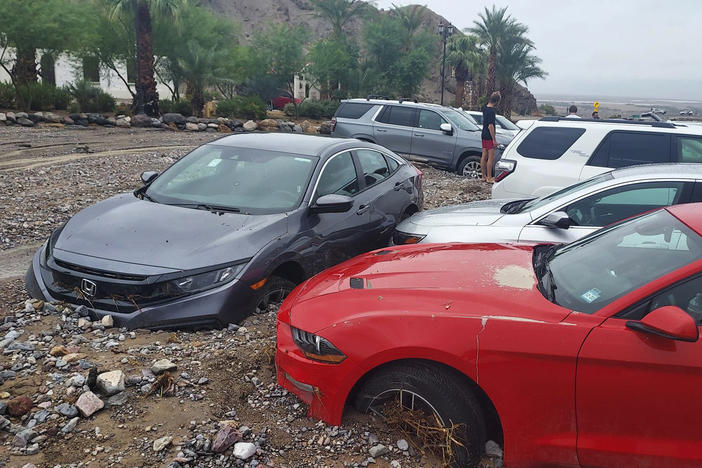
(209, 207)
(144, 196)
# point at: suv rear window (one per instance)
(352, 110)
(549, 142)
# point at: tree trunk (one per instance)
(506, 101)
(473, 98)
(460, 89)
(480, 91)
(25, 68)
(197, 99)
(492, 66)
(147, 97)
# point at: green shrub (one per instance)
(35, 96)
(547, 109)
(123, 109)
(313, 109)
(248, 107)
(62, 98)
(91, 98)
(7, 96)
(180, 107)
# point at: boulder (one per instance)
(88, 404)
(52, 118)
(19, 406)
(123, 123)
(202, 126)
(141, 120)
(250, 126)
(25, 122)
(173, 117)
(3, 117)
(162, 365)
(110, 383)
(11, 117)
(68, 121)
(156, 122)
(107, 321)
(297, 129)
(192, 119)
(268, 123)
(326, 127)
(22, 115)
(234, 123)
(36, 117)
(191, 127)
(223, 128)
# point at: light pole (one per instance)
(445, 31)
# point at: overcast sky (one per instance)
(625, 48)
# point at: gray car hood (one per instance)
(477, 213)
(124, 230)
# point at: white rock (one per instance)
(378, 450)
(244, 450)
(70, 425)
(191, 127)
(84, 323)
(250, 126)
(162, 443)
(111, 383)
(162, 365)
(107, 321)
(402, 445)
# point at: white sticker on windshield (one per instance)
(591, 295)
(214, 162)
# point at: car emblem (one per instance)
(88, 288)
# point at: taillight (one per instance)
(503, 168)
(333, 126)
(418, 178)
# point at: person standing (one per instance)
(487, 159)
(572, 112)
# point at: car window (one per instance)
(339, 176)
(373, 166)
(590, 273)
(352, 110)
(621, 149)
(430, 120)
(392, 164)
(687, 296)
(546, 199)
(505, 123)
(688, 149)
(613, 205)
(549, 142)
(397, 115)
(460, 119)
(478, 117)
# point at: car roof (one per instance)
(404, 102)
(690, 214)
(660, 171)
(310, 145)
(666, 127)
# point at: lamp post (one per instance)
(445, 31)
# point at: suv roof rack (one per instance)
(414, 100)
(619, 121)
(376, 96)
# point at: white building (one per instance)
(304, 89)
(67, 70)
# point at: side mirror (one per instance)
(148, 176)
(446, 128)
(668, 322)
(557, 219)
(332, 203)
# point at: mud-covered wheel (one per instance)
(273, 293)
(470, 167)
(421, 391)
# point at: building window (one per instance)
(131, 71)
(48, 69)
(91, 69)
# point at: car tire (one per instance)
(443, 392)
(470, 167)
(272, 293)
(31, 284)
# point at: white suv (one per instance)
(556, 152)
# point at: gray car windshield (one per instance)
(245, 180)
(594, 271)
(460, 120)
(545, 200)
(505, 123)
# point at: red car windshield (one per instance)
(594, 271)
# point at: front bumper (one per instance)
(324, 387)
(216, 307)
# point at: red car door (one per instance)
(639, 395)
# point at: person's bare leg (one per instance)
(490, 164)
(483, 164)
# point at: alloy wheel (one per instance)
(472, 170)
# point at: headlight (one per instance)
(50, 245)
(402, 238)
(316, 348)
(201, 281)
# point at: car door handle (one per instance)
(398, 186)
(380, 130)
(420, 135)
(362, 209)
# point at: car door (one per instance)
(339, 236)
(384, 193)
(607, 207)
(638, 394)
(429, 143)
(393, 128)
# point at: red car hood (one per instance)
(482, 280)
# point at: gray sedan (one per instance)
(563, 216)
(226, 230)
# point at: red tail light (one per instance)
(418, 179)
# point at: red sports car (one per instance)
(584, 354)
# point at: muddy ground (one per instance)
(48, 174)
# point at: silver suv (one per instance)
(429, 133)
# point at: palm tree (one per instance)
(147, 96)
(411, 17)
(516, 63)
(494, 28)
(199, 68)
(339, 12)
(464, 56)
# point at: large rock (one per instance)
(19, 406)
(52, 118)
(162, 443)
(25, 122)
(225, 438)
(88, 404)
(268, 124)
(3, 117)
(250, 126)
(191, 127)
(326, 127)
(244, 450)
(141, 120)
(173, 117)
(123, 123)
(162, 365)
(110, 383)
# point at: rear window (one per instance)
(549, 142)
(352, 110)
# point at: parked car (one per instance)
(524, 124)
(433, 134)
(284, 98)
(563, 216)
(503, 125)
(556, 152)
(584, 354)
(226, 230)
